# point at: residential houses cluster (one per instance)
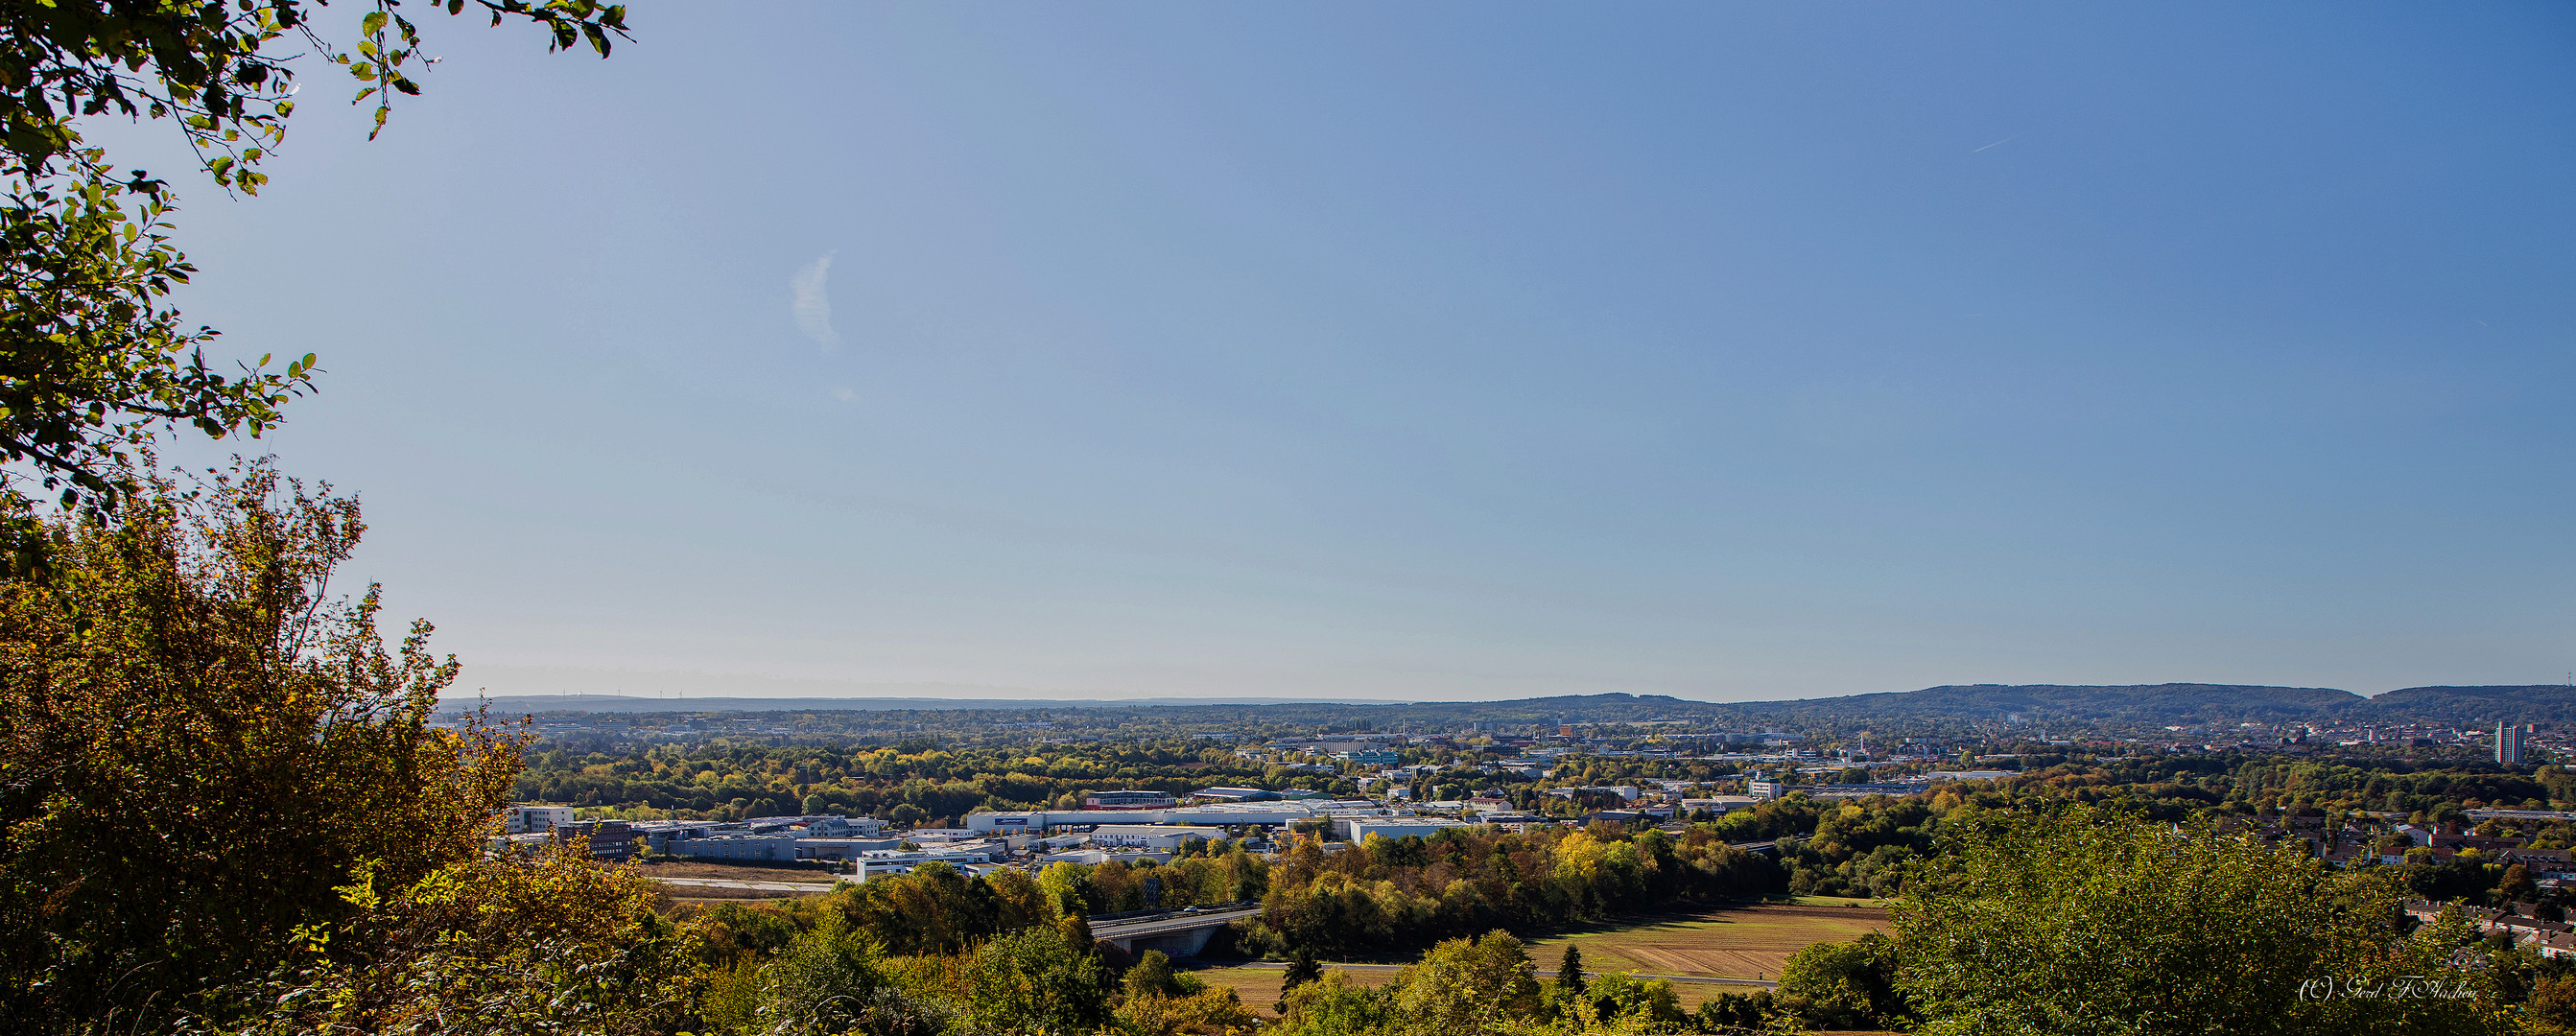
(2520, 921)
(2384, 840)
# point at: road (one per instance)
(1144, 926)
(802, 887)
(1675, 978)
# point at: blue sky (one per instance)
(1446, 350)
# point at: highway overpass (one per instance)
(1178, 933)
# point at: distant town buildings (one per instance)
(2519, 922)
(2508, 744)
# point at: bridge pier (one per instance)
(1173, 944)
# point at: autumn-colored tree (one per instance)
(1467, 985)
(1213, 1011)
(199, 744)
(1331, 1006)
(2553, 1003)
(501, 947)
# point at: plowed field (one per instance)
(1738, 942)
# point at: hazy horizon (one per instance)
(681, 686)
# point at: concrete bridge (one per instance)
(1179, 933)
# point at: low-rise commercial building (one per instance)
(1127, 800)
(606, 839)
(1218, 814)
(1357, 829)
(534, 820)
(1096, 857)
(1235, 795)
(779, 848)
(1151, 836)
(881, 862)
(670, 836)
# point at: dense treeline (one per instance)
(903, 783)
(1401, 894)
(2252, 783)
(730, 778)
(2172, 787)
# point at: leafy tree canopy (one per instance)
(92, 355)
(199, 745)
(2083, 921)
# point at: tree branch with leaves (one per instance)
(93, 358)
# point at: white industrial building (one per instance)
(1096, 857)
(881, 862)
(1151, 836)
(534, 820)
(1258, 814)
(1357, 829)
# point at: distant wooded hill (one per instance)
(2163, 703)
(2186, 704)
(2479, 706)
(2193, 704)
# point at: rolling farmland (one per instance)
(1739, 942)
(1748, 942)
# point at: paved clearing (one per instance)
(732, 872)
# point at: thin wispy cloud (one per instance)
(813, 305)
